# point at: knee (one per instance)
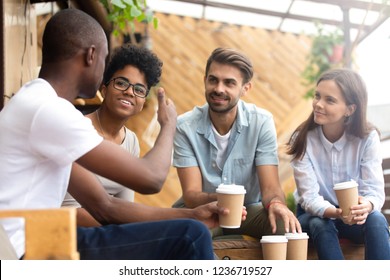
(376, 219)
(317, 224)
(196, 227)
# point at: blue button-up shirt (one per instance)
(252, 142)
(326, 164)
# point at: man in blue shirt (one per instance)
(228, 141)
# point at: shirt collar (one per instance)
(204, 126)
(338, 145)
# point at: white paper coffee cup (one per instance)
(232, 198)
(347, 195)
(297, 245)
(274, 247)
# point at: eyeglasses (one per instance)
(123, 84)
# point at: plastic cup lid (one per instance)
(273, 239)
(297, 235)
(345, 185)
(231, 189)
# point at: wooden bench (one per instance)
(49, 234)
(242, 247)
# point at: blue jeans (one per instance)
(181, 239)
(325, 234)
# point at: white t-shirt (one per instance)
(222, 142)
(130, 144)
(41, 135)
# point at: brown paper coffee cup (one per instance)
(232, 198)
(274, 247)
(297, 246)
(347, 195)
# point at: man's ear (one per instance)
(246, 88)
(91, 54)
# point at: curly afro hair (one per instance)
(142, 58)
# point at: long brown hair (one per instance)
(354, 91)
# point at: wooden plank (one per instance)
(50, 233)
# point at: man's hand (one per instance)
(166, 113)
(209, 214)
(281, 211)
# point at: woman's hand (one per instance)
(360, 212)
(333, 213)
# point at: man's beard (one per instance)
(218, 109)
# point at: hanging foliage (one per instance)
(322, 56)
(123, 13)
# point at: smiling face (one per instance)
(329, 106)
(124, 103)
(224, 87)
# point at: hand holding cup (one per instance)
(347, 196)
(232, 198)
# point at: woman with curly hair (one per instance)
(127, 80)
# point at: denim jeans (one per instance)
(325, 234)
(180, 239)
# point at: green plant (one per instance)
(319, 59)
(290, 201)
(123, 13)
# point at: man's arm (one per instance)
(84, 219)
(88, 191)
(273, 199)
(191, 184)
(144, 175)
(269, 184)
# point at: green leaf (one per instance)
(155, 23)
(135, 12)
(141, 18)
(149, 15)
(130, 2)
(118, 3)
(123, 13)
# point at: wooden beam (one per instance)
(382, 18)
(269, 13)
(362, 5)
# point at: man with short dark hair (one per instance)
(46, 144)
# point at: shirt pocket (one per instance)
(243, 169)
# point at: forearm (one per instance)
(119, 212)
(160, 156)
(273, 197)
(270, 188)
(84, 219)
(194, 199)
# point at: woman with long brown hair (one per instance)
(335, 144)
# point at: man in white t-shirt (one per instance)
(46, 144)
